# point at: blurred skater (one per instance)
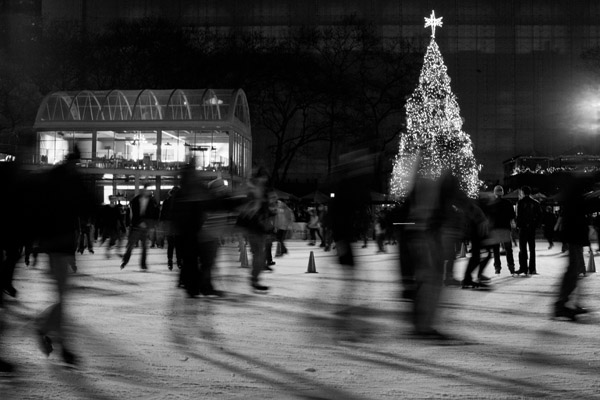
(502, 215)
(86, 235)
(199, 222)
(283, 223)
(479, 234)
(12, 238)
(380, 233)
(254, 218)
(12, 233)
(112, 225)
(352, 177)
(144, 212)
(168, 226)
(314, 227)
(548, 223)
(66, 200)
(428, 213)
(270, 234)
(529, 217)
(576, 233)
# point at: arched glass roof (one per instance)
(148, 108)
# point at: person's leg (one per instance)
(170, 249)
(131, 241)
(531, 245)
(429, 277)
(449, 243)
(510, 261)
(257, 247)
(522, 253)
(473, 263)
(90, 239)
(80, 241)
(269, 250)
(7, 268)
(569, 280)
(497, 262)
(483, 264)
(208, 253)
(280, 238)
(52, 319)
(189, 274)
(144, 243)
(178, 254)
(318, 231)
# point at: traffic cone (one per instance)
(244, 258)
(311, 264)
(463, 250)
(278, 250)
(591, 264)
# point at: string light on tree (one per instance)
(434, 140)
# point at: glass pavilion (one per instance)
(147, 135)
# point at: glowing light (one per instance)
(434, 140)
(433, 22)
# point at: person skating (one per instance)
(66, 201)
(575, 230)
(548, 223)
(478, 226)
(283, 222)
(197, 222)
(501, 215)
(144, 212)
(173, 237)
(529, 215)
(254, 219)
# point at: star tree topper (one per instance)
(433, 22)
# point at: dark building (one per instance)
(516, 65)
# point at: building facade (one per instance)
(127, 138)
(516, 65)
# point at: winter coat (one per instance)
(284, 217)
(529, 213)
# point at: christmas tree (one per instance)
(434, 140)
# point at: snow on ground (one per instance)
(139, 337)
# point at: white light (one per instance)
(433, 22)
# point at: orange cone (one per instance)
(591, 268)
(244, 258)
(312, 269)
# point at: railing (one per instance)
(118, 163)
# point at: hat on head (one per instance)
(498, 190)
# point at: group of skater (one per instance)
(438, 219)
(434, 221)
(55, 211)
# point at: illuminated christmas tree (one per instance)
(434, 140)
